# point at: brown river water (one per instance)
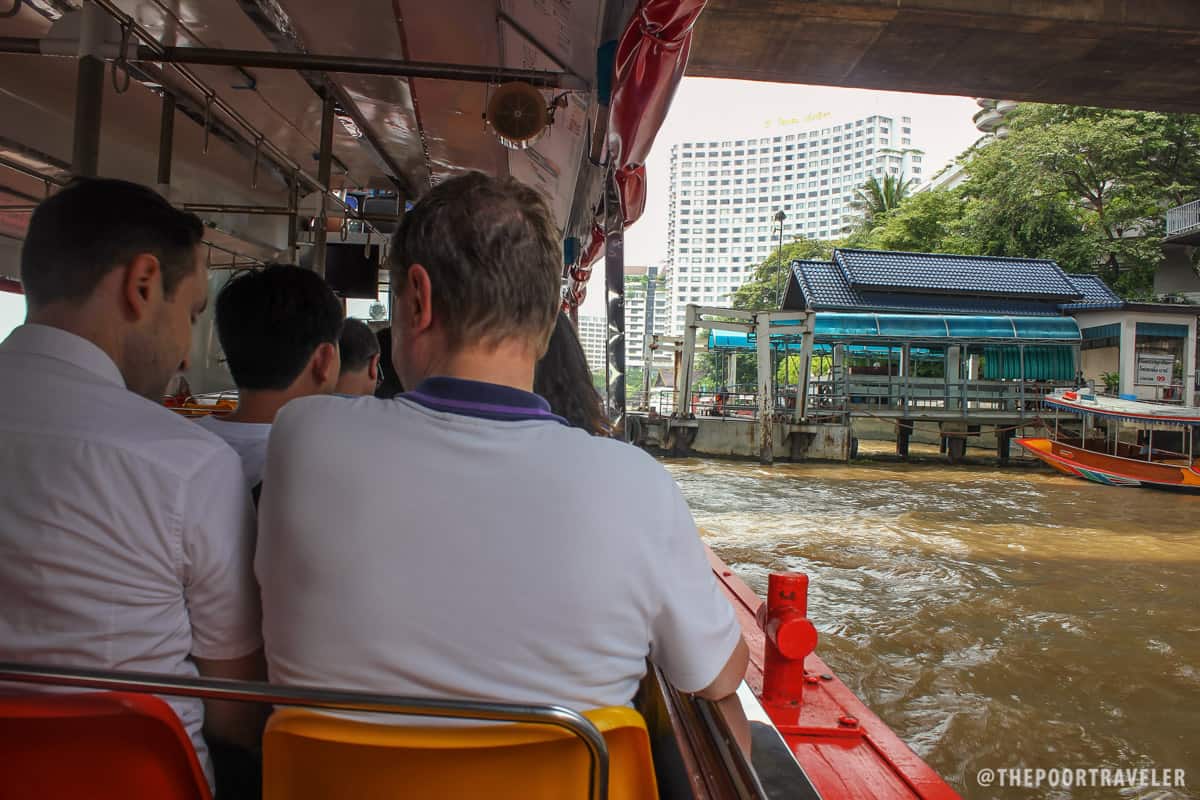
(994, 618)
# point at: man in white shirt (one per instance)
(462, 541)
(124, 541)
(359, 350)
(279, 329)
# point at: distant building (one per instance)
(593, 335)
(725, 196)
(647, 308)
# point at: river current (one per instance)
(994, 618)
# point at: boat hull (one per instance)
(1111, 470)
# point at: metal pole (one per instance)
(89, 94)
(166, 139)
(614, 280)
(802, 380)
(324, 169)
(683, 372)
(294, 220)
(271, 694)
(766, 393)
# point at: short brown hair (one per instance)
(493, 255)
(93, 225)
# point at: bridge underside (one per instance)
(1115, 53)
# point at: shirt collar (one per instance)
(479, 399)
(50, 342)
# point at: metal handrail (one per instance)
(314, 697)
(1184, 218)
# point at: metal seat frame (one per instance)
(334, 699)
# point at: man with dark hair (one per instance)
(360, 359)
(481, 498)
(127, 544)
(279, 328)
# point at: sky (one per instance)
(708, 108)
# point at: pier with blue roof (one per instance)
(966, 345)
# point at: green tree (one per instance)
(1087, 187)
(765, 288)
(880, 195)
(927, 222)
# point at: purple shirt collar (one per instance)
(479, 399)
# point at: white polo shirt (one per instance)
(249, 441)
(461, 541)
(126, 531)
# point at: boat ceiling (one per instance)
(395, 133)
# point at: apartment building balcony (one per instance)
(1183, 224)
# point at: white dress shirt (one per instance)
(248, 439)
(461, 541)
(126, 531)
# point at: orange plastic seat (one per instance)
(98, 746)
(311, 756)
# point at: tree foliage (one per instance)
(880, 195)
(1086, 187)
(765, 288)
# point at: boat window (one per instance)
(12, 312)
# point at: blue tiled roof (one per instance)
(821, 285)
(928, 273)
(1096, 294)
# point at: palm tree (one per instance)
(877, 196)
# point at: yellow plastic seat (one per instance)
(312, 756)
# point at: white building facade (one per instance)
(593, 335)
(725, 196)
(647, 309)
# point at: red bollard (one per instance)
(791, 636)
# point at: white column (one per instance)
(1128, 356)
(1189, 364)
(683, 378)
(766, 393)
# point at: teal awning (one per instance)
(902, 328)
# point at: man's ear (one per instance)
(419, 298)
(142, 285)
(373, 367)
(324, 364)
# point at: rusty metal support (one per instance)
(324, 164)
(166, 139)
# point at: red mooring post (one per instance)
(790, 637)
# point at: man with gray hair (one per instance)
(466, 544)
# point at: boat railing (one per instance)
(331, 699)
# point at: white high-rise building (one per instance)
(725, 196)
(646, 286)
(593, 335)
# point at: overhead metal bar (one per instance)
(274, 23)
(256, 59)
(259, 59)
(280, 161)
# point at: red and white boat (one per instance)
(1119, 442)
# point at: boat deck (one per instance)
(845, 749)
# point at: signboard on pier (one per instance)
(1154, 369)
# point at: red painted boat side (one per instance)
(1116, 470)
(847, 751)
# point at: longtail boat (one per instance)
(1121, 442)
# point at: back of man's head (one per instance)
(92, 226)
(493, 256)
(358, 345)
(360, 359)
(271, 321)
